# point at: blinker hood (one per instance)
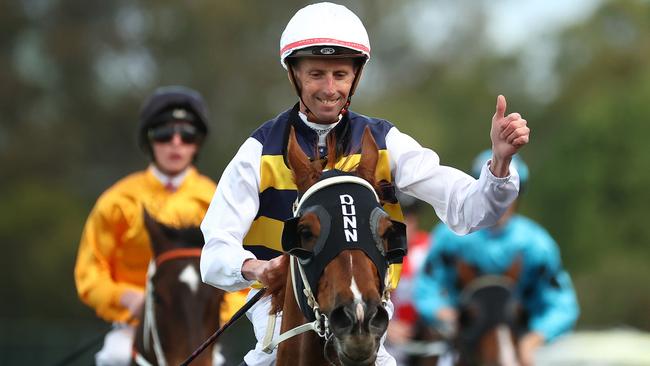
(349, 213)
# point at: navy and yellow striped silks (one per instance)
(277, 188)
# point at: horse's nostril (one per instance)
(377, 320)
(342, 320)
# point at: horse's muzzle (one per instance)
(357, 330)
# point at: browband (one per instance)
(331, 181)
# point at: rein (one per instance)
(216, 334)
(150, 331)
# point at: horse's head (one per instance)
(490, 316)
(180, 311)
(344, 241)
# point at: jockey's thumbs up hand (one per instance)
(508, 134)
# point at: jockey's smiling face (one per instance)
(325, 85)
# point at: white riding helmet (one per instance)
(324, 29)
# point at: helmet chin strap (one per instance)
(310, 115)
(296, 87)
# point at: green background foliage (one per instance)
(73, 74)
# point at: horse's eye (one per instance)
(305, 233)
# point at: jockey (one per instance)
(114, 253)
(544, 286)
(324, 49)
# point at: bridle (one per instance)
(150, 328)
(301, 259)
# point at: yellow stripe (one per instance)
(265, 232)
(395, 271)
(275, 174)
(394, 211)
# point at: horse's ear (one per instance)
(515, 269)
(369, 157)
(305, 173)
(466, 273)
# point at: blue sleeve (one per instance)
(433, 287)
(553, 304)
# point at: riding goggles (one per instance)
(165, 133)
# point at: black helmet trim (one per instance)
(327, 51)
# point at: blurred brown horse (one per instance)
(491, 317)
(348, 295)
(180, 311)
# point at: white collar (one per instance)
(321, 129)
(165, 179)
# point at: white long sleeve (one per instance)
(228, 219)
(463, 203)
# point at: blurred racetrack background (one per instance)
(73, 74)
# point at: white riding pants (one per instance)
(116, 350)
(258, 315)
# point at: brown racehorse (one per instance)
(180, 311)
(491, 317)
(349, 292)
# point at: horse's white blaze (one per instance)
(358, 299)
(359, 312)
(507, 354)
(190, 277)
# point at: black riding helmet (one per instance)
(169, 103)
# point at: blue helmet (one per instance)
(521, 167)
